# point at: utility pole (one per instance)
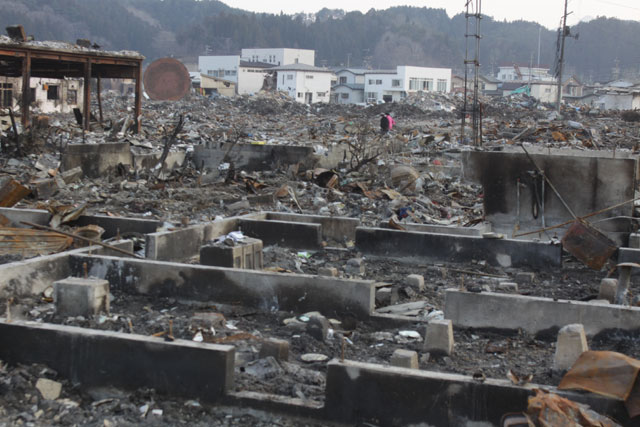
(563, 35)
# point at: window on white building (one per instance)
(343, 80)
(395, 83)
(420, 84)
(372, 96)
(321, 94)
(442, 85)
(344, 95)
(289, 76)
(299, 94)
(72, 97)
(309, 76)
(52, 92)
(378, 82)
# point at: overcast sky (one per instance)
(546, 12)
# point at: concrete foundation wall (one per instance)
(182, 244)
(253, 157)
(33, 276)
(333, 227)
(478, 230)
(96, 159)
(296, 235)
(534, 314)
(587, 184)
(430, 247)
(298, 293)
(95, 358)
(360, 393)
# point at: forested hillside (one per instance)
(378, 39)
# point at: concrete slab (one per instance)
(606, 182)
(96, 159)
(36, 216)
(358, 393)
(295, 235)
(429, 247)
(94, 358)
(534, 314)
(265, 291)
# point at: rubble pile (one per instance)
(408, 177)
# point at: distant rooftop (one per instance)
(255, 64)
(302, 67)
(352, 86)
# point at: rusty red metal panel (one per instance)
(588, 245)
(166, 79)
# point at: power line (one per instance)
(617, 4)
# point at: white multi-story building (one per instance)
(248, 76)
(222, 67)
(280, 56)
(304, 83)
(523, 72)
(392, 86)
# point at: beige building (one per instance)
(215, 85)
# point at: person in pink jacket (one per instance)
(391, 121)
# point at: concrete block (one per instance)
(572, 342)
(328, 271)
(634, 240)
(246, 254)
(608, 288)
(50, 390)
(525, 277)
(94, 358)
(318, 327)
(75, 296)
(208, 320)
(354, 267)
(439, 337)
(278, 349)
(416, 281)
(508, 287)
(404, 359)
(427, 248)
(534, 314)
(295, 235)
(386, 296)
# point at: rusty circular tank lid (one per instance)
(166, 79)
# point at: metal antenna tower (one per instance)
(472, 67)
(563, 33)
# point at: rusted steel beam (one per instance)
(87, 95)
(26, 85)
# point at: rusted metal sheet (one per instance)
(29, 243)
(11, 192)
(609, 374)
(588, 245)
(166, 79)
(548, 409)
